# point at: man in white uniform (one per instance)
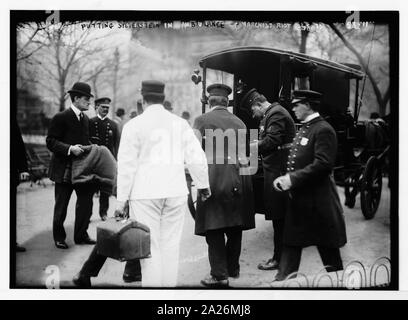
(153, 150)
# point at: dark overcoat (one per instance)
(231, 202)
(315, 215)
(105, 133)
(65, 130)
(276, 129)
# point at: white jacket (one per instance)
(153, 151)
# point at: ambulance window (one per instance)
(301, 83)
(217, 76)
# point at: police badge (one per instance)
(304, 141)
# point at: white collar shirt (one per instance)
(76, 111)
(153, 152)
(310, 117)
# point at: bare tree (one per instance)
(300, 39)
(27, 45)
(64, 48)
(382, 98)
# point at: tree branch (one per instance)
(362, 62)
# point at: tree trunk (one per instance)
(115, 81)
(303, 84)
(62, 97)
(382, 101)
(303, 40)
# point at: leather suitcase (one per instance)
(123, 240)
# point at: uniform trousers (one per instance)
(278, 225)
(83, 210)
(291, 255)
(165, 218)
(224, 255)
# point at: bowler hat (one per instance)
(306, 95)
(81, 88)
(101, 100)
(152, 88)
(219, 89)
(249, 98)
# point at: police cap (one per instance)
(306, 95)
(102, 100)
(219, 89)
(152, 88)
(249, 98)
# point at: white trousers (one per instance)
(165, 218)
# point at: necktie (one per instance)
(81, 117)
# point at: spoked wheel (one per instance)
(371, 186)
(192, 196)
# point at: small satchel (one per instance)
(123, 239)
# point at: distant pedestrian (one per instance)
(139, 105)
(119, 118)
(133, 114)
(186, 116)
(167, 106)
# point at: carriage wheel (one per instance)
(371, 186)
(192, 196)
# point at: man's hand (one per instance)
(24, 176)
(282, 183)
(203, 194)
(120, 211)
(77, 150)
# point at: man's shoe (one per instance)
(61, 245)
(20, 248)
(104, 217)
(131, 278)
(81, 281)
(211, 282)
(269, 265)
(86, 241)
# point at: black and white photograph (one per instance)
(220, 150)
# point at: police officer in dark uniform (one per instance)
(276, 132)
(229, 210)
(315, 216)
(104, 131)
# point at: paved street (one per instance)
(367, 241)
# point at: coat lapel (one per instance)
(73, 118)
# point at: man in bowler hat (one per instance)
(276, 132)
(68, 132)
(104, 132)
(230, 208)
(315, 215)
